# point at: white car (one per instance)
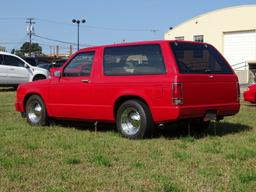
(14, 70)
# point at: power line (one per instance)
(9, 43)
(88, 26)
(119, 29)
(12, 18)
(52, 21)
(16, 44)
(51, 45)
(100, 27)
(59, 41)
(48, 44)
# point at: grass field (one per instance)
(64, 158)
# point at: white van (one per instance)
(14, 70)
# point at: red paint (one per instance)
(94, 97)
(250, 94)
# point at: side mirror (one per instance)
(55, 72)
(26, 66)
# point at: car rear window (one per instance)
(199, 59)
(134, 60)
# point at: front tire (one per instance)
(134, 120)
(36, 113)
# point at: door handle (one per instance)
(85, 81)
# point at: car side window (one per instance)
(80, 65)
(1, 60)
(134, 60)
(13, 61)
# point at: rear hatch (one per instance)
(206, 78)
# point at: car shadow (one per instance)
(215, 129)
(171, 131)
(86, 126)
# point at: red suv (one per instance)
(137, 85)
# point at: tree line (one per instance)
(25, 49)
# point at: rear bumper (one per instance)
(167, 114)
(200, 111)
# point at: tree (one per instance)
(36, 49)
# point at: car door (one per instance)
(71, 95)
(3, 71)
(17, 71)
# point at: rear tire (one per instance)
(36, 113)
(134, 120)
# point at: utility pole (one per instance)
(30, 32)
(70, 50)
(57, 50)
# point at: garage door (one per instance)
(240, 47)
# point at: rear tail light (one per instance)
(177, 93)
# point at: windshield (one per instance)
(199, 59)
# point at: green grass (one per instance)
(63, 158)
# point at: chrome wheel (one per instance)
(133, 120)
(35, 112)
(130, 121)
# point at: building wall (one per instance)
(214, 24)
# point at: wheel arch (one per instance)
(124, 98)
(27, 97)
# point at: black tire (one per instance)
(36, 113)
(39, 77)
(134, 120)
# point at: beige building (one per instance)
(231, 30)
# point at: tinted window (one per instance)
(80, 65)
(13, 61)
(1, 59)
(31, 61)
(59, 63)
(133, 60)
(199, 58)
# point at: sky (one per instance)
(107, 22)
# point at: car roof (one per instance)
(125, 44)
(6, 53)
(140, 43)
